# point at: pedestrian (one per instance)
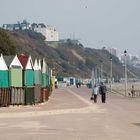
(133, 91)
(102, 91)
(95, 93)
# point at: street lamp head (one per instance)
(110, 58)
(125, 52)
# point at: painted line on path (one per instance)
(80, 97)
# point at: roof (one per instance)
(8, 59)
(43, 66)
(23, 60)
(29, 64)
(3, 65)
(36, 65)
(12, 61)
(42, 25)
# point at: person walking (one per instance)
(95, 93)
(133, 91)
(102, 91)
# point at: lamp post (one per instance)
(93, 77)
(101, 72)
(95, 73)
(125, 55)
(111, 73)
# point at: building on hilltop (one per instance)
(50, 33)
(18, 26)
(71, 41)
(128, 59)
(135, 60)
(112, 51)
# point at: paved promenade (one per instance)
(70, 115)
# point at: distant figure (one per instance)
(77, 85)
(95, 93)
(133, 91)
(102, 91)
(56, 86)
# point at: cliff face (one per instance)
(6, 44)
(67, 59)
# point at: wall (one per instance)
(4, 80)
(29, 77)
(15, 77)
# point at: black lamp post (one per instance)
(101, 70)
(125, 57)
(111, 73)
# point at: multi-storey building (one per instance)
(128, 58)
(18, 26)
(135, 60)
(50, 33)
(112, 51)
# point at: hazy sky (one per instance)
(97, 23)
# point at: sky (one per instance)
(96, 23)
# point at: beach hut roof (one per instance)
(39, 65)
(26, 61)
(44, 67)
(12, 61)
(36, 65)
(8, 59)
(29, 64)
(23, 60)
(3, 65)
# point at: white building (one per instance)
(112, 51)
(128, 58)
(135, 60)
(48, 31)
(18, 26)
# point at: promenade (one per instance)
(71, 115)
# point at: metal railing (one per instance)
(134, 94)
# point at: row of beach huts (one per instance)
(24, 81)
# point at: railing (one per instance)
(134, 94)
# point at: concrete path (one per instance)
(71, 115)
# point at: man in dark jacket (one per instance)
(102, 91)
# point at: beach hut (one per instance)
(15, 79)
(37, 72)
(28, 72)
(4, 83)
(4, 80)
(28, 78)
(37, 81)
(45, 81)
(44, 74)
(40, 72)
(15, 71)
(72, 80)
(49, 75)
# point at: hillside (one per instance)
(66, 59)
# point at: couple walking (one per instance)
(101, 90)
